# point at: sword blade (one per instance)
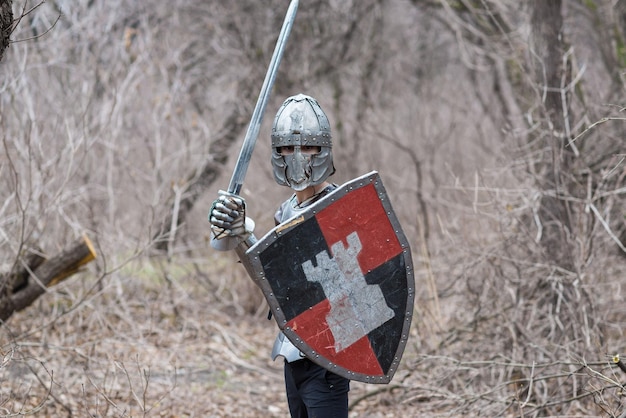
(241, 167)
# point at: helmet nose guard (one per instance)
(300, 121)
(298, 170)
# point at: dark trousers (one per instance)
(314, 392)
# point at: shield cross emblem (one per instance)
(339, 281)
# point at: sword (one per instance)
(239, 173)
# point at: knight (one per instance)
(302, 160)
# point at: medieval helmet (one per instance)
(301, 122)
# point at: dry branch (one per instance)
(21, 288)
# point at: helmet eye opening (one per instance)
(304, 149)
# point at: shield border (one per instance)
(255, 269)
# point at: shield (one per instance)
(339, 281)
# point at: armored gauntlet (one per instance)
(229, 225)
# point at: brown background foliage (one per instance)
(497, 127)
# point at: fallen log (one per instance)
(20, 288)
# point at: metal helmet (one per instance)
(300, 122)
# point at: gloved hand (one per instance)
(228, 217)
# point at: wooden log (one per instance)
(46, 274)
(18, 278)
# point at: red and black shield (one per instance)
(339, 281)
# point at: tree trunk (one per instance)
(552, 76)
(6, 23)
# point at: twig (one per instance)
(24, 13)
(593, 125)
(607, 228)
(361, 398)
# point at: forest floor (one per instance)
(142, 346)
(157, 339)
